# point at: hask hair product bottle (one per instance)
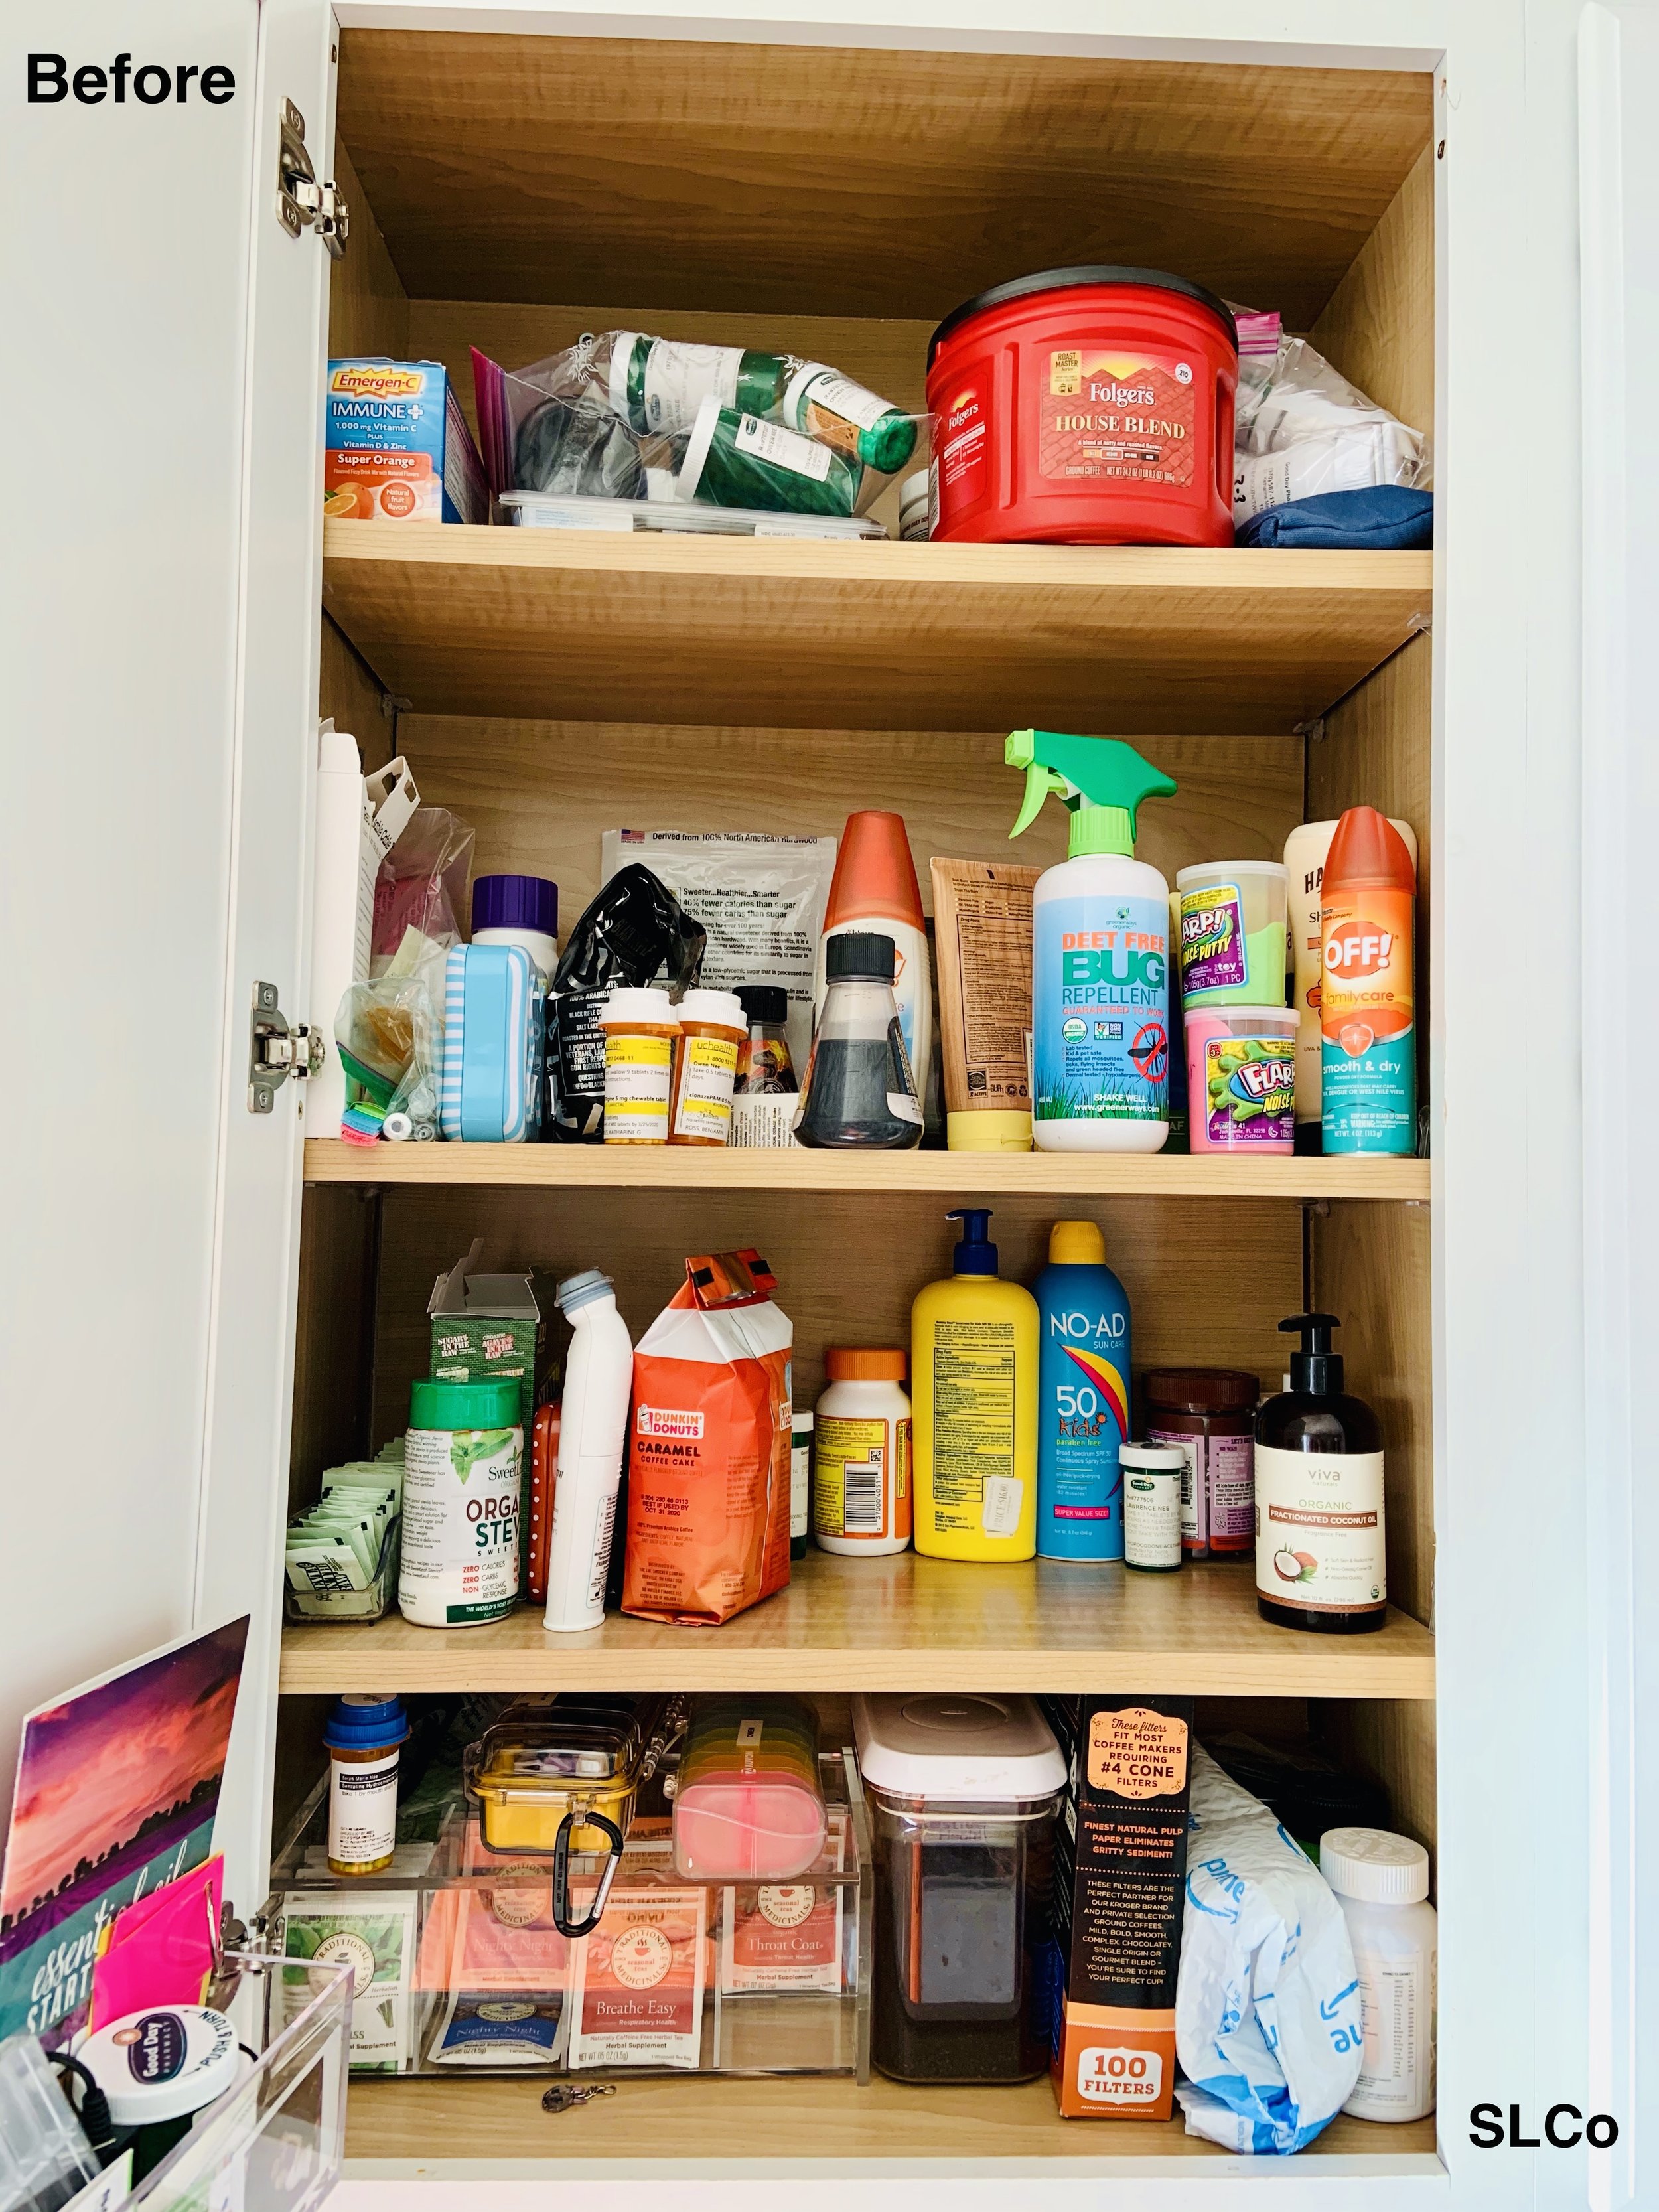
(1082, 1397)
(1320, 1533)
(974, 1406)
(1100, 959)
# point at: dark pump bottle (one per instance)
(1319, 1521)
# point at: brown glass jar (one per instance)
(1209, 1414)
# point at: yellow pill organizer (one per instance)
(558, 1783)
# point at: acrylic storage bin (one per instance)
(462, 1970)
(275, 2142)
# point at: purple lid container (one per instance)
(515, 902)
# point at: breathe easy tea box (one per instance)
(398, 449)
(1119, 1880)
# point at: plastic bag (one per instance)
(634, 926)
(709, 1448)
(1302, 430)
(421, 885)
(391, 1045)
(1267, 2012)
(621, 415)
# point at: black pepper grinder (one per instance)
(1319, 1517)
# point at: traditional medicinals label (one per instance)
(1319, 1530)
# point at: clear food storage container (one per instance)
(964, 1794)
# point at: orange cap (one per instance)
(1367, 848)
(862, 1364)
(874, 872)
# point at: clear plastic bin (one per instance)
(273, 2143)
(461, 1970)
(544, 510)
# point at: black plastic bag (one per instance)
(635, 928)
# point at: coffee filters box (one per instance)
(1119, 1877)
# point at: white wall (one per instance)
(124, 282)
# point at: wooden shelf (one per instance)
(686, 1167)
(590, 625)
(902, 1623)
(653, 2119)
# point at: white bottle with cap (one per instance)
(1381, 1883)
(598, 1377)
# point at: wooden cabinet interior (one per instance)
(837, 205)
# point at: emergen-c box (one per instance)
(1119, 1880)
(398, 446)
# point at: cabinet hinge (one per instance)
(276, 1050)
(303, 200)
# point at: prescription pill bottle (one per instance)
(861, 1494)
(364, 1737)
(640, 1028)
(712, 1029)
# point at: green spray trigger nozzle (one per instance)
(1101, 780)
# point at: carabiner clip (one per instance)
(578, 1817)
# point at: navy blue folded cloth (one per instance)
(1387, 519)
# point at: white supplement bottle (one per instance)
(1153, 1476)
(460, 1535)
(521, 910)
(1381, 1883)
(598, 1376)
(862, 1490)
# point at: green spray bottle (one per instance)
(1100, 952)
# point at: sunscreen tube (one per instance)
(982, 942)
(592, 1431)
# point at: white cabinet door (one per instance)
(159, 620)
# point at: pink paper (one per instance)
(161, 1947)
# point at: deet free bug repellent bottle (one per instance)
(1100, 956)
(1319, 1523)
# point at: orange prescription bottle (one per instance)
(1367, 1012)
(640, 1028)
(712, 1027)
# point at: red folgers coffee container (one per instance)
(1086, 407)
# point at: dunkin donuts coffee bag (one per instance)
(709, 1447)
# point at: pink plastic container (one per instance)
(749, 1806)
(1241, 1079)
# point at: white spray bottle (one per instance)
(599, 1378)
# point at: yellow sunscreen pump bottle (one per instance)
(974, 1349)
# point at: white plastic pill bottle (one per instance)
(1381, 1883)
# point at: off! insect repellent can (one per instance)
(1367, 999)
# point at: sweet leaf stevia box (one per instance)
(488, 1326)
(1120, 1881)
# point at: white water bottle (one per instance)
(599, 1378)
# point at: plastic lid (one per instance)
(363, 1724)
(581, 1290)
(641, 1004)
(1367, 848)
(1153, 1459)
(859, 952)
(1200, 1390)
(914, 489)
(1076, 1244)
(724, 1007)
(1218, 871)
(1374, 1866)
(163, 2063)
(973, 1255)
(857, 1363)
(490, 1402)
(764, 1002)
(1068, 280)
(515, 902)
(1241, 1019)
(979, 1750)
(989, 1129)
(875, 875)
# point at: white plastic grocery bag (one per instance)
(1267, 2025)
